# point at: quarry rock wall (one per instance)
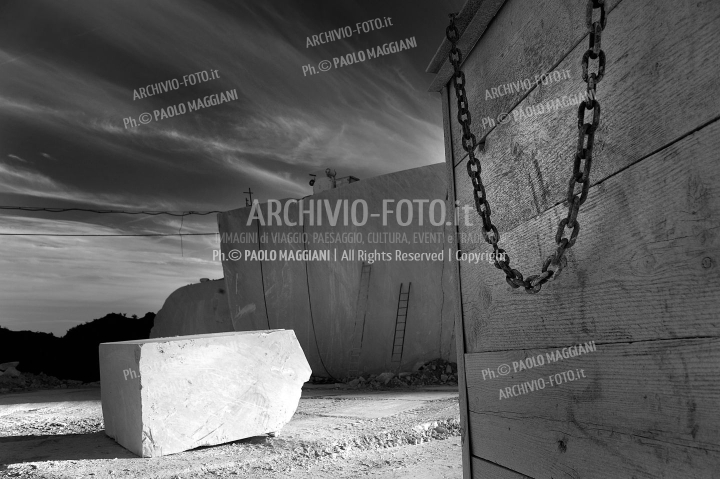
(194, 309)
(345, 309)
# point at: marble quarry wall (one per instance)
(346, 308)
(200, 308)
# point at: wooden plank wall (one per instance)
(642, 281)
(457, 294)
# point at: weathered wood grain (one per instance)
(645, 410)
(455, 291)
(643, 279)
(537, 446)
(522, 41)
(645, 265)
(471, 22)
(659, 85)
(651, 392)
(482, 469)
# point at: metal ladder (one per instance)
(360, 312)
(400, 322)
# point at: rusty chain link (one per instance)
(583, 156)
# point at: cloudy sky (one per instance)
(68, 73)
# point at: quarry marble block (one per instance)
(166, 395)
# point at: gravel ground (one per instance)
(334, 433)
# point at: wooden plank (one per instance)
(518, 45)
(645, 265)
(659, 85)
(483, 469)
(471, 22)
(455, 291)
(647, 409)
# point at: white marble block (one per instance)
(167, 395)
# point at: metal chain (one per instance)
(586, 138)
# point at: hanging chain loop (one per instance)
(581, 165)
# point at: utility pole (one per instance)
(248, 192)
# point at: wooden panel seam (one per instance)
(690, 231)
(459, 316)
(647, 396)
(493, 470)
(481, 138)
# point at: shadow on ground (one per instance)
(64, 447)
(51, 396)
(75, 447)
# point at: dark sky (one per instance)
(68, 70)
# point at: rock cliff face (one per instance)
(347, 311)
(194, 309)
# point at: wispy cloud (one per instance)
(67, 82)
(27, 182)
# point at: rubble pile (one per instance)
(431, 373)
(13, 380)
(403, 436)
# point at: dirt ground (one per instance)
(335, 433)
